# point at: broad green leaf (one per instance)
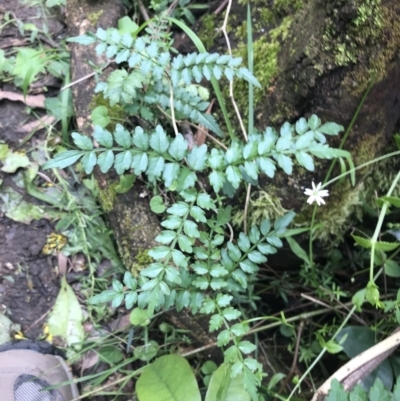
(298, 250)
(66, 318)
(336, 393)
(126, 182)
(13, 161)
(275, 379)
(386, 246)
(333, 347)
(224, 388)
(139, 317)
(110, 354)
(169, 378)
(392, 268)
(364, 242)
(127, 26)
(157, 204)
(358, 340)
(100, 117)
(146, 352)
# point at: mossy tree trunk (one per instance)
(320, 57)
(128, 214)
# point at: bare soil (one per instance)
(28, 280)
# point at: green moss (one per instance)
(262, 206)
(207, 32)
(116, 112)
(107, 196)
(142, 260)
(94, 17)
(357, 34)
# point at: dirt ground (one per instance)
(28, 280)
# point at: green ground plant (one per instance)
(200, 263)
(196, 264)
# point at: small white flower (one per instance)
(315, 194)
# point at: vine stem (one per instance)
(224, 31)
(171, 101)
(378, 227)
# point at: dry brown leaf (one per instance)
(37, 124)
(31, 101)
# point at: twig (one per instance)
(223, 29)
(221, 7)
(361, 365)
(143, 10)
(231, 230)
(171, 102)
(295, 357)
(84, 78)
(37, 321)
(246, 208)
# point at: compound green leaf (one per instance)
(217, 179)
(82, 141)
(123, 161)
(122, 136)
(178, 147)
(159, 140)
(103, 137)
(105, 160)
(330, 128)
(197, 157)
(234, 176)
(89, 161)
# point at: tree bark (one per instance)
(319, 57)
